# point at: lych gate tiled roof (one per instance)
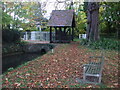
(61, 18)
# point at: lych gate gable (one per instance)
(61, 18)
(63, 21)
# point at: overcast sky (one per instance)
(50, 5)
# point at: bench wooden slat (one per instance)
(94, 68)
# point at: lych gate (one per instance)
(63, 22)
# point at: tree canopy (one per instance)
(19, 14)
(25, 15)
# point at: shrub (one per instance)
(103, 43)
(9, 35)
(84, 42)
(16, 35)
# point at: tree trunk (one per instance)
(93, 21)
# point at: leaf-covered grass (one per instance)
(60, 69)
(76, 39)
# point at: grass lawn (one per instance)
(60, 69)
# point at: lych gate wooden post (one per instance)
(60, 34)
(55, 32)
(72, 33)
(50, 34)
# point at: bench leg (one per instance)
(84, 76)
(100, 79)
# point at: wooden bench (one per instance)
(94, 67)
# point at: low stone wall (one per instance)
(11, 49)
(31, 48)
(26, 48)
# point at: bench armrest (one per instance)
(96, 57)
(85, 65)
